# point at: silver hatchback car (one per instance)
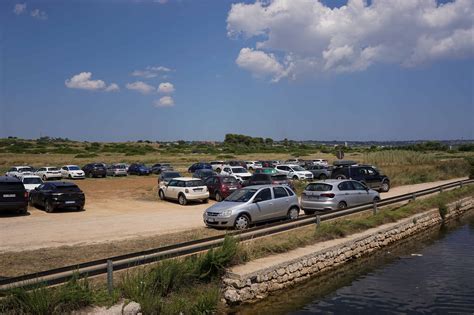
(335, 194)
(253, 204)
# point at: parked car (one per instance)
(238, 172)
(72, 172)
(335, 194)
(217, 165)
(54, 195)
(49, 173)
(253, 204)
(116, 170)
(94, 170)
(184, 189)
(13, 195)
(266, 170)
(138, 169)
(320, 162)
(221, 186)
(17, 171)
(161, 167)
(253, 165)
(199, 166)
(203, 173)
(165, 177)
(268, 179)
(366, 174)
(266, 164)
(319, 171)
(294, 172)
(237, 163)
(294, 161)
(31, 182)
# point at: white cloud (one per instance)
(165, 101)
(83, 81)
(150, 72)
(166, 88)
(113, 87)
(141, 87)
(306, 36)
(20, 8)
(38, 14)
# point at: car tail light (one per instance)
(26, 195)
(327, 195)
(224, 188)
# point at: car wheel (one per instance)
(242, 222)
(22, 211)
(295, 177)
(218, 170)
(293, 213)
(69, 176)
(182, 200)
(80, 208)
(340, 177)
(342, 205)
(89, 175)
(309, 212)
(49, 206)
(218, 197)
(385, 186)
(161, 194)
(376, 199)
(323, 177)
(251, 169)
(205, 201)
(44, 178)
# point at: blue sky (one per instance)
(233, 67)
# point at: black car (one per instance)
(13, 195)
(204, 173)
(95, 170)
(138, 169)
(55, 195)
(365, 174)
(199, 166)
(161, 167)
(165, 177)
(268, 179)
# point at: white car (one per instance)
(253, 165)
(295, 172)
(184, 189)
(72, 172)
(48, 172)
(320, 162)
(217, 165)
(30, 182)
(17, 171)
(240, 173)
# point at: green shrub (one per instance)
(85, 155)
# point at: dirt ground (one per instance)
(116, 209)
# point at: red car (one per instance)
(220, 187)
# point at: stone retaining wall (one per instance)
(249, 285)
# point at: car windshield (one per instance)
(229, 180)
(171, 175)
(74, 168)
(238, 170)
(318, 187)
(25, 169)
(297, 168)
(32, 180)
(241, 195)
(194, 183)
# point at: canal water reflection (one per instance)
(432, 273)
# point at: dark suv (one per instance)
(13, 195)
(95, 170)
(365, 174)
(268, 179)
(138, 169)
(54, 195)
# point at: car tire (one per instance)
(295, 177)
(80, 208)
(323, 177)
(218, 197)
(309, 212)
(342, 205)
(44, 178)
(205, 200)
(69, 176)
(218, 170)
(376, 199)
(385, 186)
(182, 199)
(49, 206)
(293, 213)
(161, 194)
(251, 169)
(242, 222)
(89, 175)
(22, 211)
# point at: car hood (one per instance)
(224, 205)
(242, 174)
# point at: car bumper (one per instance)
(68, 203)
(77, 175)
(318, 204)
(216, 221)
(53, 176)
(14, 205)
(201, 196)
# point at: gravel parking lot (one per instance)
(116, 209)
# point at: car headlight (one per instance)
(225, 214)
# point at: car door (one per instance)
(211, 185)
(281, 201)
(170, 190)
(42, 193)
(373, 178)
(262, 205)
(361, 193)
(348, 194)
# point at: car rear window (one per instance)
(11, 186)
(64, 189)
(194, 183)
(229, 180)
(318, 187)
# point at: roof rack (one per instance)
(343, 163)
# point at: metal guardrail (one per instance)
(107, 265)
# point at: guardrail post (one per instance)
(413, 197)
(110, 276)
(461, 184)
(441, 189)
(376, 209)
(318, 221)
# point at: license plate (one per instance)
(9, 196)
(69, 202)
(211, 220)
(232, 188)
(197, 189)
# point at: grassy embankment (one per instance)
(191, 285)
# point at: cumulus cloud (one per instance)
(38, 14)
(165, 101)
(19, 8)
(166, 88)
(113, 87)
(141, 87)
(150, 72)
(83, 81)
(301, 36)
